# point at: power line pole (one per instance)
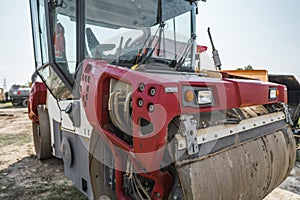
(4, 84)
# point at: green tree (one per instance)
(248, 67)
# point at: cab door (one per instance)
(54, 36)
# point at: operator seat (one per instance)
(60, 51)
(59, 43)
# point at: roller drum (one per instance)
(247, 171)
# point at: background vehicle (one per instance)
(293, 88)
(122, 105)
(18, 95)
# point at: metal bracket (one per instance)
(288, 117)
(190, 132)
(212, 133)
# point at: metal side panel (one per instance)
(85, 128)
(76, 163)
(66, 121)
(54, 115)
(248, 171)
(57, 139)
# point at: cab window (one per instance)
(64, 38)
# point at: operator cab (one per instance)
(142, 35)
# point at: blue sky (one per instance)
(16, 51)
(262, 33)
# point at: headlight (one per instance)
(273, 93)
(195, 96)
(205, 97)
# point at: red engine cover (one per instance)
(228, 93)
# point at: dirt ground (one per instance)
(23, 176)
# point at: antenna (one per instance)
(215, 53)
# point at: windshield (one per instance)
(140, 34)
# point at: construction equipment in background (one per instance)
(293, 89)
(256, 74)
(18, 95)
(122, 106)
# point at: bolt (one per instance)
(151, 107)
(191, 133)
(142, 87)
(140, 102)
(152, 91)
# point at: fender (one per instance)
(37, 96)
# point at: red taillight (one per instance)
(19, 92)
